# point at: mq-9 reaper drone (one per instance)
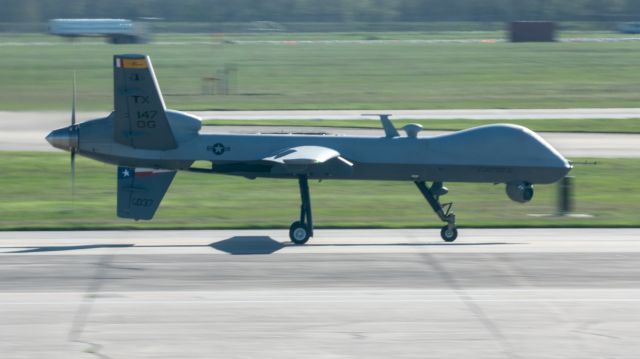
(150, 143)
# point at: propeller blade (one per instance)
(73, 172)
(73, 101)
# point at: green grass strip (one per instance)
(35, 193)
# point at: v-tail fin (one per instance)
(140, 191)
(140, 118)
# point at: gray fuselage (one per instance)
(493, 153)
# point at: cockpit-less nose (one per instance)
(65, 138)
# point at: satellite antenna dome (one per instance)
(412, 129)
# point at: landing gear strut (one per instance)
(300, 231)
(449, 232)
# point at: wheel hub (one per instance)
(299, 233)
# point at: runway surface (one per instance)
(25, 131)
(510, 293)
(472, 114)
(62, 117)
(323, 42)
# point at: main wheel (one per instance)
(298, 233)
(449, 235)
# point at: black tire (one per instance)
(448, 235)
(299, 233)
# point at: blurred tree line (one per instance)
(323, 10)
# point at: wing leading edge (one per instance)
(309, 159)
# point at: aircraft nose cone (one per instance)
(64, 138)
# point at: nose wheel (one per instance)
(449, 233)
(300, 231)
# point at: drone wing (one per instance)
(309, 159)
(303, 155)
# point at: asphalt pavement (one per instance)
(494, 293)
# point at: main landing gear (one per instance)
(449, 232)
(300, 231)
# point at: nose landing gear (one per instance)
(449, 233)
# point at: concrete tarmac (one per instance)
(25, 131)
(289, 42)
(462, 114)
(494, 293)
(62, 117)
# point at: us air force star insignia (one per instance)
(125, 173)
(218, 149)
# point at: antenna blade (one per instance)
(389, 129)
